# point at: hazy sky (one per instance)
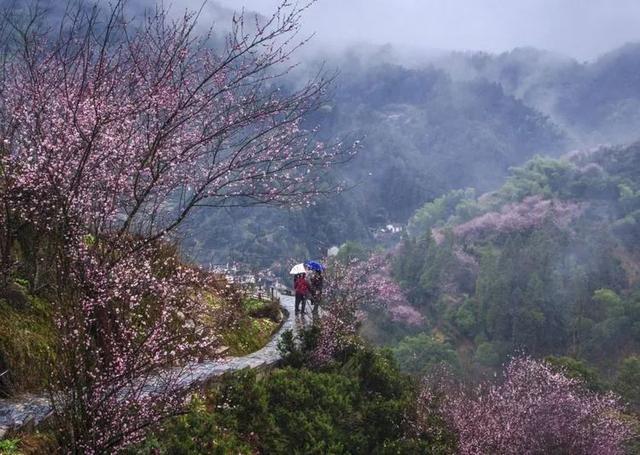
(578, 28)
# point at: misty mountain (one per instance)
(594, 102)
(422, 131)
(460, 120)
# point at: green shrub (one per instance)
(578, 369)
(249, 335)
(628, 381)
(298, 351)
(9, 446)
(360, 406)
(266, 310)
(255, 321)
(489, 354)
(420, 354)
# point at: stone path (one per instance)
(32, 409)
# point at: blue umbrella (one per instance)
(314, 265)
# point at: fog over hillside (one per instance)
(577, 28)
(440, 97)
(447, 121)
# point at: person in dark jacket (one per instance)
(302, 292)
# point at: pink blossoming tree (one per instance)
(112, 131)
(352, 289)
(535, 410)
(532, 212)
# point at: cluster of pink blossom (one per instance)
(406, 314)
(350, 290)
(465, 259)
(532, 212)
(535, 410)
(131, 318)
(133, 134)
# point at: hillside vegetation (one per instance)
(546, 265)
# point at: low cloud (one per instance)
(582, 29)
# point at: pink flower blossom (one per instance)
(535, 410)
(532, 212)
(352, 289)
(112, 132)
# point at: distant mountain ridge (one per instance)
(596, 102)
(458, 120)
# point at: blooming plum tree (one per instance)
(129, 128)
(535, 410)
(351, 289)
(112, 131)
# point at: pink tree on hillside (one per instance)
(112, 132)
(532, 212)
(130, 128)
(534, 411)
(351, 289)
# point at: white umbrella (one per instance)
(298, 268)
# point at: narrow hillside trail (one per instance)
(33, 409)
